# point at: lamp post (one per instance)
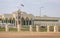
(41, 10)
(40, 14)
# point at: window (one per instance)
(47, 20)
(30, 22)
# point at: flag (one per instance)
(22, 5)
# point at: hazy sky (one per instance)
(50, 7)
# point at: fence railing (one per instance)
(32, 28)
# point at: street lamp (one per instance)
(40, 14)
(41, 10)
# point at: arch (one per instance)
(13, 20)
(27, 18)
(27, 21)
(6, 20)
(30, 21)
(22, 21)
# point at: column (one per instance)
(15, 23)
(6, 27)
(37, 28)
(30, 28)
(48, 28)
(55, 28)
(15, 20)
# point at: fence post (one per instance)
(30, 28)
(48, 29)
(6, 27)
(55, 28)
(37, 28)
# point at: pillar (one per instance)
(15, 20)
(30, 28)
(25, 22)
(6, 28)
(55, 28)
(48, 28)
(37, 28)
(15, 23)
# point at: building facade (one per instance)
(22, 18)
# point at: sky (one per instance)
(35, 7)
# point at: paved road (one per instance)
(29, 35)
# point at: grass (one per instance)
(33, 28)
(43, 29)
(12, 29)
(51, 28)
(26, 28)
(2, 29)
(59, 28)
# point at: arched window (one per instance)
(10, 20)
(2, 20)
(13, 20)
(22, 21)
(27, 21)
(6, 20)
(30, 22)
